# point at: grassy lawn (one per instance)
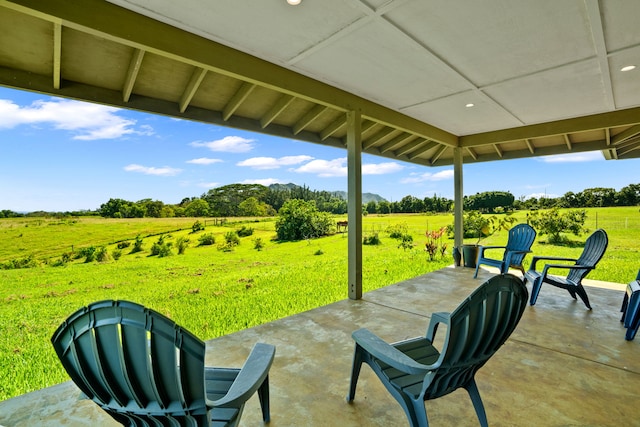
(212, 292)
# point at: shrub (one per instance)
(397, 231)
(197, 226)
(123, 245)
(137, 245)
(232, 238)
(116, 254)
(161, 248)
(206, 239)
(319, 252)
(102, 255)
(245, 231)
(552, 222)
(27, 262)
(371, 240)
(299, 219)
(406, 242)
(182, 243)
(258, 244)
(89, 254)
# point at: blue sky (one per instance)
(62, 155)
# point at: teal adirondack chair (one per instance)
(144, 370)
(414, 371)
(519, 243)
(594, 249)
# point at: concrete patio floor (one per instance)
(563, 366)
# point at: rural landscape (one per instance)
(216, 274)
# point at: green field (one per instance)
(213, 292)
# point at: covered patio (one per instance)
(564, 365)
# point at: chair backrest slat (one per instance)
(478, 327)
(137, 364)
(520, 238)
(594, 248)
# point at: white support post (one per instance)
(458, 198)
(354, 203)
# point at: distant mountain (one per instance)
(366, 197)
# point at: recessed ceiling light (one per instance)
(628, 68)
(294, 2)
(469, 105)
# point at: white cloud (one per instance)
(428, 176)
(381, 168)
(204, 161)
(228, 144)
(324, 168)
(272, 162)
(87, 121)
(338, 168)
(266, 181)
(573, 158)
(150, 170)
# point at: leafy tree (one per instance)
(553, 222)
(197, 208)
(488, 201)
(629, 195)
(225, 200)
(299, 219)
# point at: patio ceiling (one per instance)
(544, 77)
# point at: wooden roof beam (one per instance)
(57, 54)
(384, 133)
(407, 148)
(398, 140)
(567, 141)
(472, 153)
(626, 134)
(308, 118)
(333, 127)
(192, 87)
(132, 74)
(237, 99)
(426, 147)
(530, 146)
(283, 102)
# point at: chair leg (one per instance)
(583, 295)
(474, 394)
(417, 414)
(625, 304)
(263, 395)
(535, 290)
(355, 373)
(477, 267)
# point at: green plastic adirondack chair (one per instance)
(415, 371)
(594, 249)
(144, 370)
(519, 243)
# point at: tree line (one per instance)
(236, 200)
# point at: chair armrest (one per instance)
(481, 248)
(548, 267)
(251, 376)
(436, 319)
(387, 353)
(535, 259)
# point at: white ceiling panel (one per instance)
(620, 17)
(380, 64)
(269, 29)
(549, 95)
(494, 40)
(451, 113)
(626, 84)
